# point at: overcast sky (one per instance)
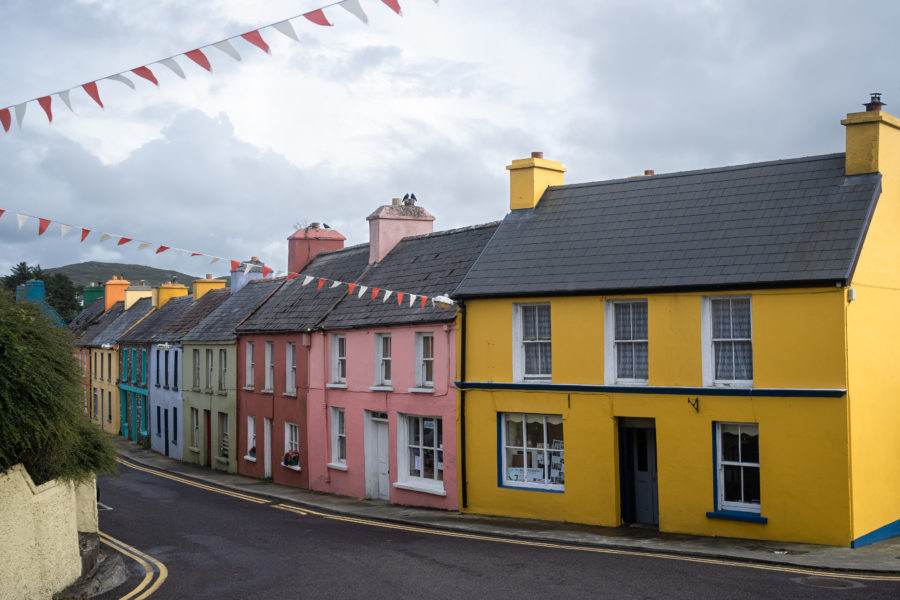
(435, 102)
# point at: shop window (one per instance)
(532, 451)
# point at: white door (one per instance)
(267, 446)
(378, 475)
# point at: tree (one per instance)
(59, 290)
(41, 423)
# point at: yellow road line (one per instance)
(193, 483)
(142, 559)
(291, 508)
(556, 546)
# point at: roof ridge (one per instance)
(452, 231)
(740, 167)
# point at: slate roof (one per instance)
(122, 323)
(100, 324)
(797, 221)
(219, 324)
(298, 307)
(87, 316)
(145, 331)
(429, 265)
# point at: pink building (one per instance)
(378, 401)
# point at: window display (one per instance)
(533, 453)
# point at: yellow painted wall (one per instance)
(798, 342)
(111, 424)
(39, 555)
(873, 144)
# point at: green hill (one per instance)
(84, 273)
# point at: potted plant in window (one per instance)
(252, 452)
(291, 459)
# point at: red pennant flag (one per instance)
(317, 17)
(375, 292)
(146, 74)
(424, 299)
(162, 249)
(84, 233)
(43, 224)
(321, 283)
(235, 265)
(400, 298)
(196, 254)
(394, 5)
(256, 39)
(2, 211)
(45, 104)
(292, 275)
(5, 119)
(91, 89)
(266, 271)
(199, 58)
(123, 240)
(350, 286)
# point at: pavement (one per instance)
(882, 558)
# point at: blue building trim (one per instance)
(133, 389)
(736, 515)
(882, 533)
(652, 389)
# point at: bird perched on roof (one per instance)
(409, 200)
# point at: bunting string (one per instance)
(414, 299)
(197, 56)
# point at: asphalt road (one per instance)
(215, 545)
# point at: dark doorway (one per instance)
(208, 419)
(166, 432)
(637, 471)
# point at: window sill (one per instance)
(207, 390)
(336, 386)
(194, 449)
(196, 389)
(249, 458)
(731, 384)
(337, 466)
(420, 487)
(248, 388)
(633, 382)
(510, 485)
(290, 394)
(267, 391)
(737, 515)
(381, 388)
(421, 390)
(529, 381)
(222, 393)
(292, 467)
(222, 460)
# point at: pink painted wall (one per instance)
(357, 398)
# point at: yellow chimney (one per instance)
(529, 177)
(166, 291)
(201, 286)
(873, 139)
(136, 292)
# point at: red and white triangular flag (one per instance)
(84, 233)
(104, 237)
(317, 17)
(255, 38)
(20, 113)
(91, 89)
(307, 279)
(21, 218)
(394, 5)
(63, 230)
(122, 79)
(353, 7)
(285, 28)
(146, 74)
(226, 47)
(161, 249)
(198, 57)
(123, 241)
(43, 224)
(387, 294)
(45, 104)
(334, 284)
(321, 283)
(173, 66)
(143, 245)
(362, 290)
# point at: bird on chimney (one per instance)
(326, 225)
(409, 200)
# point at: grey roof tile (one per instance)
(783, 222)
(122, 323)
(219, 324)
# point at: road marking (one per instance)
(193, 483)
(551, 545)
(146, 561)
(291, 508)
(101, 506)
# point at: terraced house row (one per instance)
(708, 352)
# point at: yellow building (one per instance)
(709, 352)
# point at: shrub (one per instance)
(41, 423)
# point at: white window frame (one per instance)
(270, 366)
(506, 444)
(338, 359)
(224, 445)
(406, 444)
(519, 344)
(708, 344)
(383, 366)
(195, 427)
(721, 463)
(338, 435)
(223, 370)
(209, 370)
(251, 439)
(611, 363)
(249, 366)
(424, 361)
(96, 407)
(196, 355)
(291, 442)
(290, 373)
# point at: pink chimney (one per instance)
(390, 224)
(307, 243)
